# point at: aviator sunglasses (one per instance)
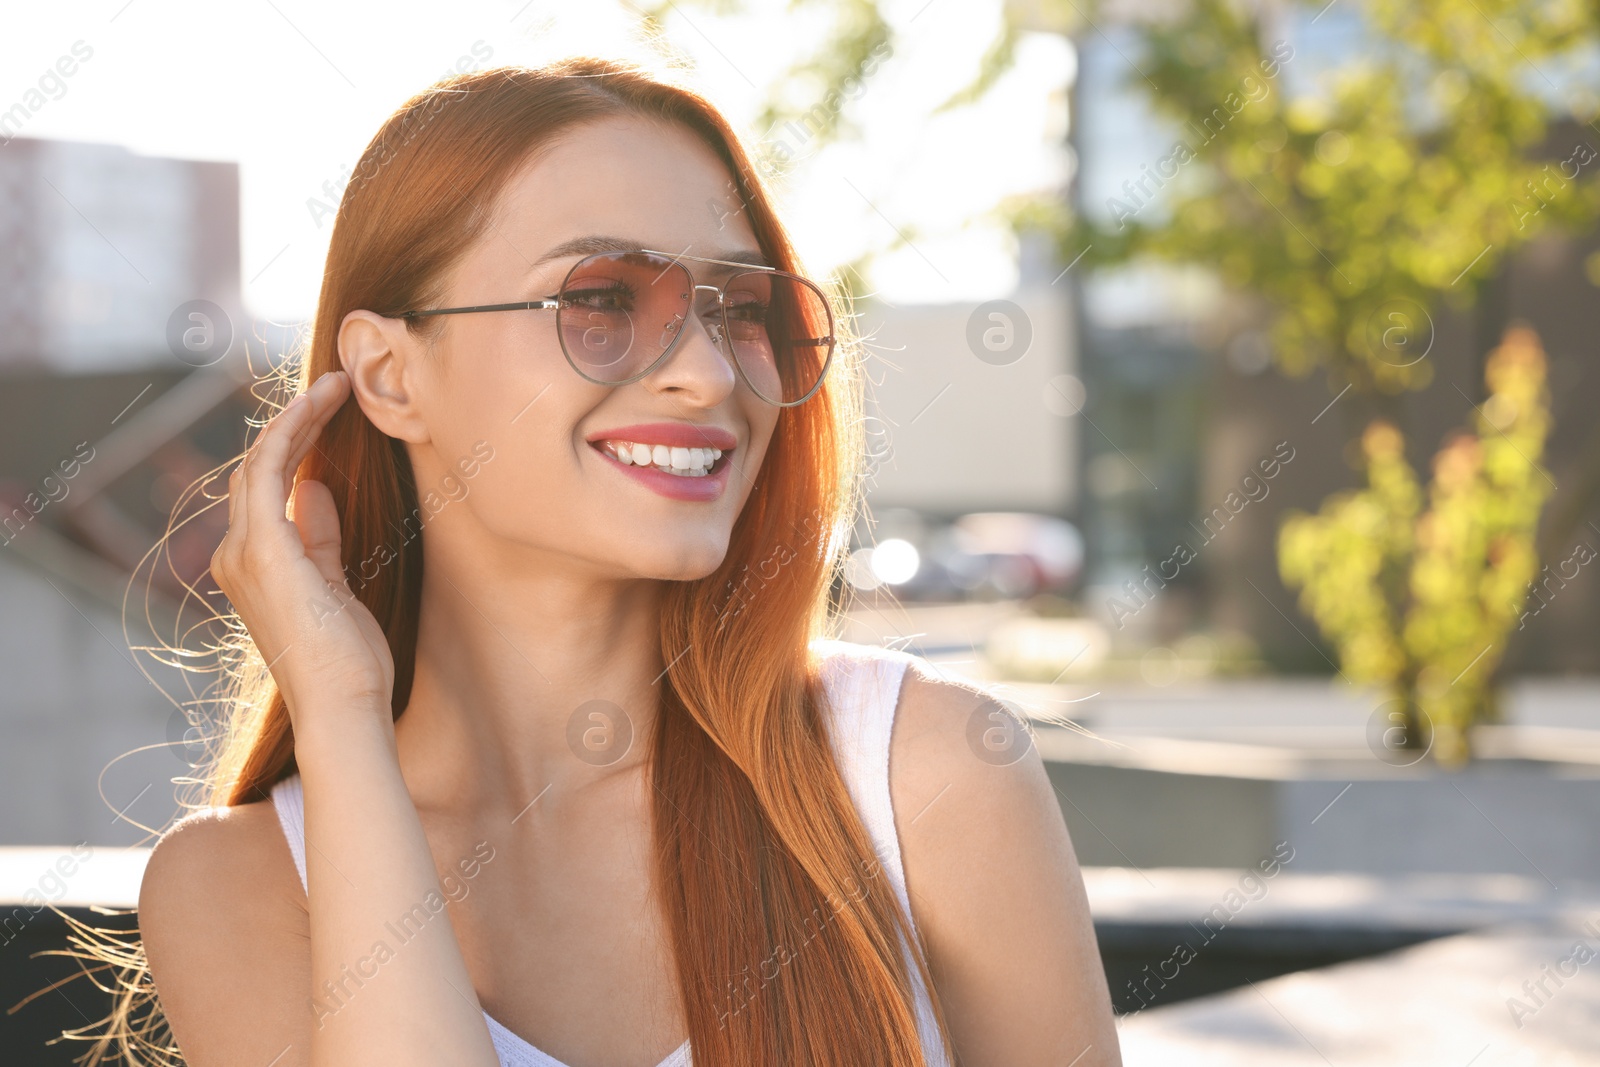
(620, 314)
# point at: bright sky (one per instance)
(292, 90)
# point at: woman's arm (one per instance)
(995, 888)
(224, 928)
(240, 966)
(387, 976)
(388, 983)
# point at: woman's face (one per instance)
(501, 377)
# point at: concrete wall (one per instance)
(1509, 816)
(100, 245)
(955, 431)
(72, 703)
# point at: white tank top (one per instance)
(863, 684)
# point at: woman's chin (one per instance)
(688, 565)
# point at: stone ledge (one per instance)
(1444, 1002)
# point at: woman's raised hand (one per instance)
(286, 578)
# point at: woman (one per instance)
(536, 596)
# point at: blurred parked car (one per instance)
(981, 556)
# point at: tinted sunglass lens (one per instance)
(620, 311)
(781, 332)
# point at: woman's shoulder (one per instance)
(215, 843)
(834, 648)
(844, 666)
(227, 942)
(945, 732)
(224, 936)
(988, 862)
(939, 728)
(211, 869)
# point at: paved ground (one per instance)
(61, 874)
(1445, 903)
(1446, 1003)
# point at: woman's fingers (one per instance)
(266, 468)
(317, 519)
(267, 578)
(233, 493)
(327, 401)
(232, 535)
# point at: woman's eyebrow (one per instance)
(588, 246)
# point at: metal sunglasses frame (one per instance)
(553, 303)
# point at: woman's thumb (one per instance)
(312, 510)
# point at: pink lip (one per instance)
(675, 486)
(671, 434)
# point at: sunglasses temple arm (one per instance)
(549, 303)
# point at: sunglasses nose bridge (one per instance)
(716, 289)
(710, 311)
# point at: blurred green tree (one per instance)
(1354, 214)
(1422, 602)
(1356, 211)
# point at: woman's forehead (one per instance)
(656, 183)
(624, 170)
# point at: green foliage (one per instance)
(812, 94)
(1354, 213)
(1351, 560)
(1422, 602)
(1405, 179)
(996, 61)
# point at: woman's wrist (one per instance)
(337, 737)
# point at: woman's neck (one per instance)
(527, 684)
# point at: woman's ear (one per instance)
(384, 362)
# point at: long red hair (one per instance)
(758, 847)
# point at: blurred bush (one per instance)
(1422, 602)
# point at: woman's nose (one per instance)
(691, 369)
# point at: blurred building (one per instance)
(971, 441)
(103, 423)
(101, 245)
(971, 406)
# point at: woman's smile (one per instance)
(678, 460)
(696, 479)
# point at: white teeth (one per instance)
(685, 462)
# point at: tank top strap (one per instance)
(289, 802)
(863, 684)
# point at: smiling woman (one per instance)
(700, 849)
